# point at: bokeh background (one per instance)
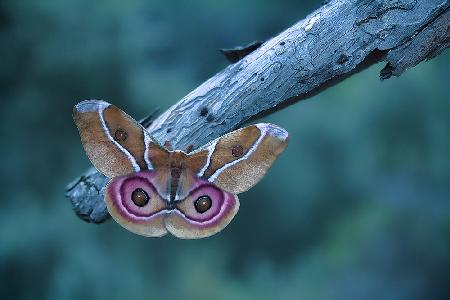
(358, 207)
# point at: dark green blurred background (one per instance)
(356, 208)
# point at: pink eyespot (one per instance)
(203, 203)
(205, 211)
(138, 197)
(134, 203)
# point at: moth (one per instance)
(155, 190)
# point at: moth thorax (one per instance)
(175, 171)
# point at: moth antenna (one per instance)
(168, 145)
(189, 148)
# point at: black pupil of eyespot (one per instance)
(202, 204)
(139, 197)
(237, 151)
(120, 135)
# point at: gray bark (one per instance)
(334, 42)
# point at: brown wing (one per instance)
(238, 160)
(114, 142)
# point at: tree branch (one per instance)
(334, 42)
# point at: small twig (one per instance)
(148, 120)
(236, 54)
